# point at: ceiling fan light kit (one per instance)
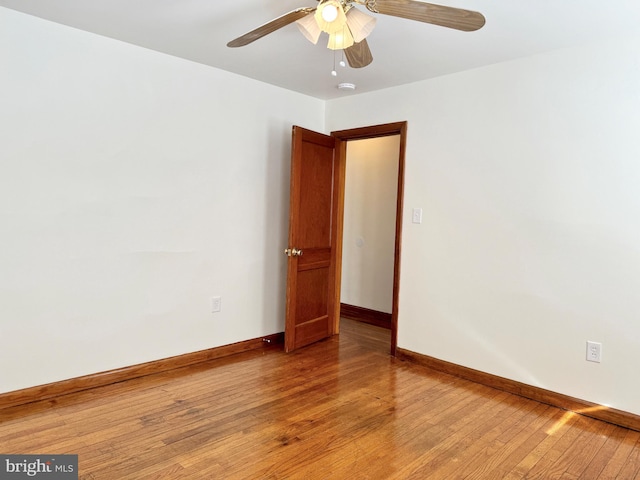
(344, 23)
(344, 27)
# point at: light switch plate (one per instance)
(216, 304)
(417, 215)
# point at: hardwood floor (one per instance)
(338, 409)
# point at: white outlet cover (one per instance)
(594, 352)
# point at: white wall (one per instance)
(529, 176)
(130, 194)
(134, 186)
(371, 186)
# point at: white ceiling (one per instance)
(404, 51)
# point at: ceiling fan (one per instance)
(348, 26)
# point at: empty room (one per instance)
(190, 287)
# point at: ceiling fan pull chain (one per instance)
(334, 72)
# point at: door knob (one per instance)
(292, 252)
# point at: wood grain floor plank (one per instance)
(622, 446)
(551, 435)
(341, 408)
(465, 431)
(577, 456)
(595, 468)
(499, 457)
(587, 448)
(479, 454)
(631, 467)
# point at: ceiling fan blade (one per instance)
(458, 18)
(270, 27)
(359, 55)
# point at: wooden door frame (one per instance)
(362, 133)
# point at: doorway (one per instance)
(377, 132)
(371, 179)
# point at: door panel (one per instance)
(316, 185)
(311, 301)
(316, 173)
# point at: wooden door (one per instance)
(315, 235)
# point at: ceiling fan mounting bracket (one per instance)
(368, 4)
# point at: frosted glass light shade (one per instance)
(340, 40)
(329, 13)
(337, 24)
(360, 24)
(309, 28)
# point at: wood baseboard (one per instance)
(565, 402)
(72, 385)
(366, 315)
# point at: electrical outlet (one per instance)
(594, 352)
(216, 304)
